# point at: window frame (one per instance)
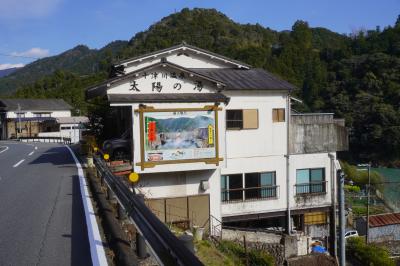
(276, 117)
(234, 120)
(310, 186)
(20, 114)
(261, 192)
(245, 122)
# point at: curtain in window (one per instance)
(224, 194)
(267, 179)
(316, 178)
(302, 181)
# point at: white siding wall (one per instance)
(29, 114)
(268, 140)
(177, 184)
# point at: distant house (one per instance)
(382, 227)
(33, 117)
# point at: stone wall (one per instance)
(251, 236)
(279, 246)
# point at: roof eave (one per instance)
(183, 46)
(101, 89)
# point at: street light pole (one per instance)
(342, 221)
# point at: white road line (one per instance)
(6, 148)
(96, 247)
(30, 153)
(16, 165)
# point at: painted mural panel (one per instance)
(180, 135)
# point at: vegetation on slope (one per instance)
(356, 77)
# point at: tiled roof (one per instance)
(246, 79)
(384, 219)
(34, 105)
(101, 89)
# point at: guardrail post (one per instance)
(110, 194)
(121, 212)
(141, 249)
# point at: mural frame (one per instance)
(147, 164)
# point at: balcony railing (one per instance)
(251, 193)
(311, 188)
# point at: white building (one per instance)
(38, 118)
(210, 142)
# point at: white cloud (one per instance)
(6, 66)
(33, 52)
(17, 9)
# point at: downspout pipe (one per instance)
(333, 230)
(288, 217)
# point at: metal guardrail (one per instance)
(165, 246)
(249, 193)
(317, 187)
(46, 139)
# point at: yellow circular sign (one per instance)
(106, 156)
(133, 177)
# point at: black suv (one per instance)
(119, 148)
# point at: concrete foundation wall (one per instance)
(385, 233)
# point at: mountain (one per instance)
(80, 60)
(356, 77)
(182, 123)
(8, 71)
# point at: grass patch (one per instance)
(362, 210)
(209, 255)
(231, 254)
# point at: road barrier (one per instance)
(46, 139)
(166, 248)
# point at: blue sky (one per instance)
(39, 28)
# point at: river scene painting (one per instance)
(179, 135)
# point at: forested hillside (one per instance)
(80, 60)
(357, 77)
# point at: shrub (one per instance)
(354, 189)
(369, 255)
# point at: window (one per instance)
(20, 115)
(231, 187)
(234, 119)
(242, 119)
(310, 181)
(42, 114)
(256, 186)
(260, 185)
(278, 115)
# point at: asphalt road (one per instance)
(42, 220)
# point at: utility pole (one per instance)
(368, 166)
(19, 121)
(368, 197)
(342, 245)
